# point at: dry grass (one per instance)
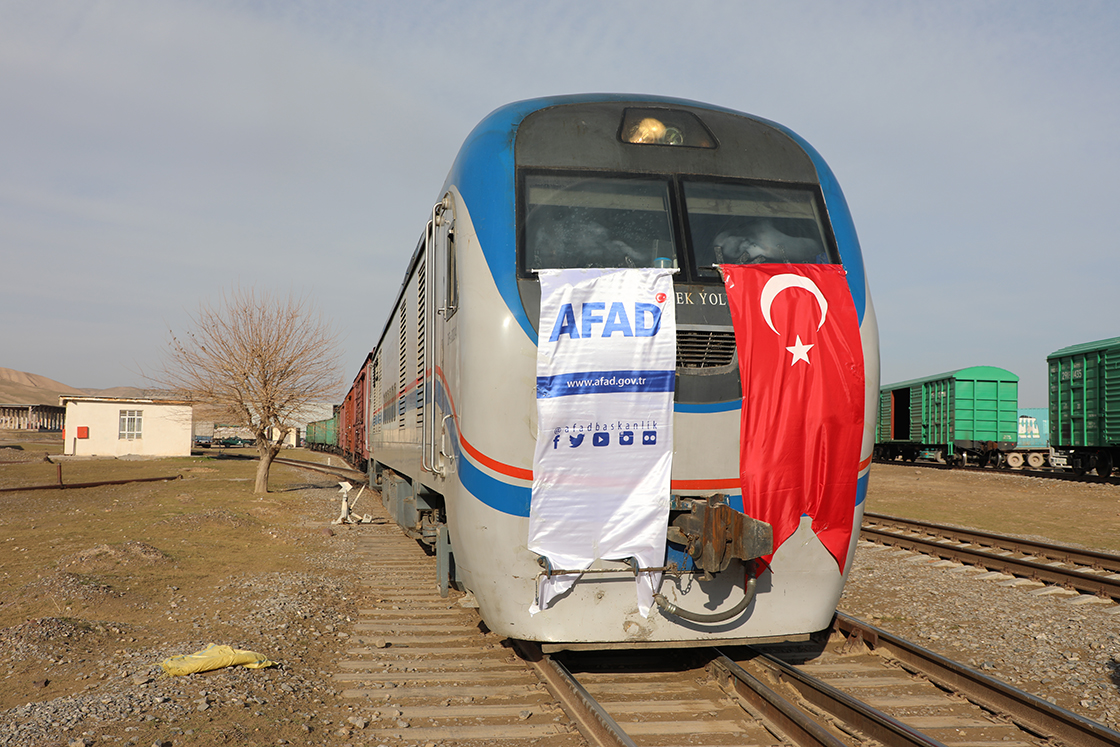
(93, 578)
(1081, 514)
(131, 562)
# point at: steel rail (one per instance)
(346, 472)
(1027, 711)
(600, 729)
(783, 715)
(1052, 551)
(1071, 578)
(594, 723)
(68, 486)
(853, 712)
(1046, 474)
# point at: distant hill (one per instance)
(21, 388)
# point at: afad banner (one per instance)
(801, 365)
(606, 361)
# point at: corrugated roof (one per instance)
(62, 400)
(1086, 347)
(971, 373)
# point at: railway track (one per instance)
(861, 687)
(920, 693)
(419, 668)
(1046, 474)
(341, 472)
(423, 668)
(1085, 571)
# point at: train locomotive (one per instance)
(450, 390)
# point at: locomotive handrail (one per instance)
(426, 462)
(429, 452)
(671, 569)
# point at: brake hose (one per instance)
(751, 582)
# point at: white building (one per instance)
(117, 426)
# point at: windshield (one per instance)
(597, 222)
(742, 224)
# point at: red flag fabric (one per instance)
(801, 365)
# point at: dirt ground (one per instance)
(98, 585)
(1083, 514)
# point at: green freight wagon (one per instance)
(322, 435)
(969, 415)
(1085, 406)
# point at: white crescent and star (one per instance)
(770, 291)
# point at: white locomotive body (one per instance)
(452, 420)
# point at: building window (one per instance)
(130, 427)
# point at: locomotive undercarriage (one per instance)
(704, 536)
(422, 515)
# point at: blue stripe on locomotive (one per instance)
(484, 174)
(515, 499)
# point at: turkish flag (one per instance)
(801, 365)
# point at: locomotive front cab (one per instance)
(605, 185)
(707, 193)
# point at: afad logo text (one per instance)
(642, 320)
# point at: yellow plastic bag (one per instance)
(214, 656)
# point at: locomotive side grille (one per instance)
(421, 338)
(705, 348)
(404, 358)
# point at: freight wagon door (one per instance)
(1110, 396)
(900, 415)
(937, 412)
(1074, 401)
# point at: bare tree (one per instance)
(259, 359)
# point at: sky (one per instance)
(155, 153)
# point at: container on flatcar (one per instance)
(1034, 428)
(1085, 405)
(1033, 447)
(970, 414)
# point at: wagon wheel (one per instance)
(1036, 460)
(1104, 463)
(1014, 460)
